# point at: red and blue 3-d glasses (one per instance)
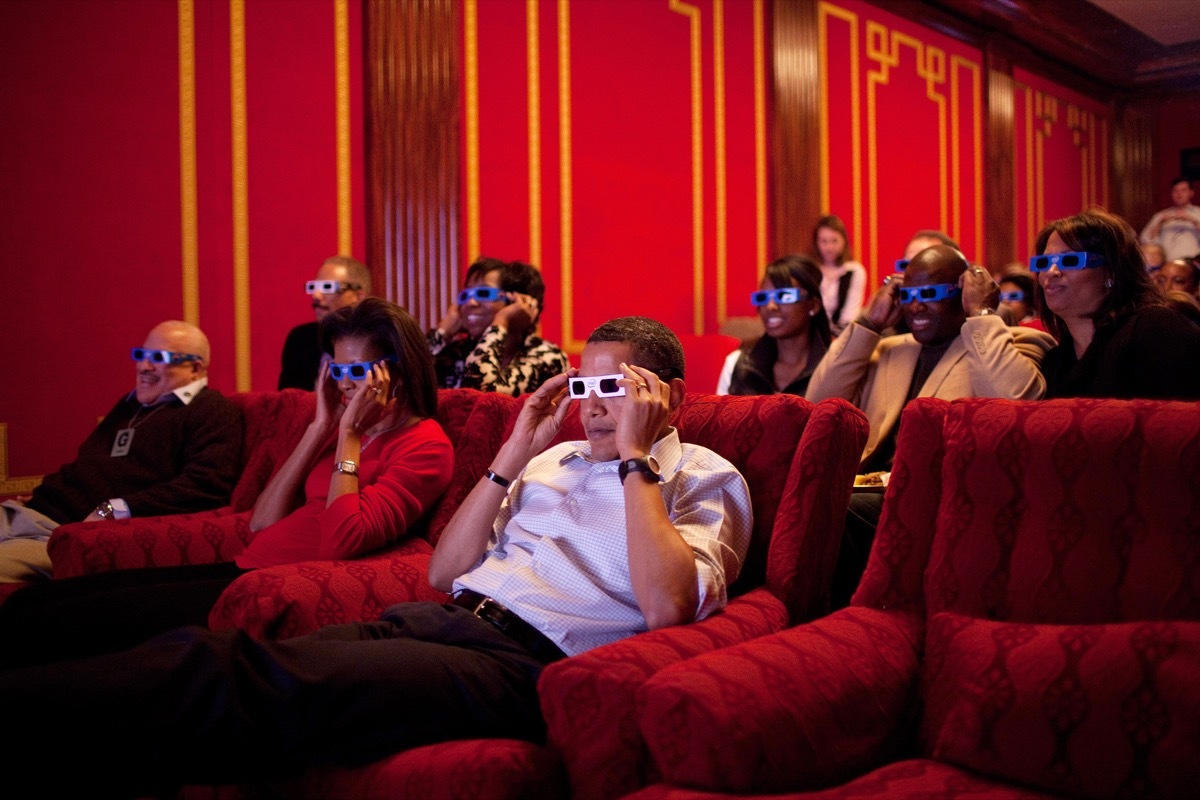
(782, 297)
(329, 287)
(602, 385)
(929, 294)
(1072, 260)
(356, 370)
(1016, 296)
(161, 356)
(482, 294)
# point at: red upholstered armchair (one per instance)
(292, 599)
(1027, 627)
(275, 421)
(798, 460)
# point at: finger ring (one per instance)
(643, 385)
(376, 390)
(887, 280)
(978, 271)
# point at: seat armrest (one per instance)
(589, 700)
(805, 708)
(206, 537)
(294, 599)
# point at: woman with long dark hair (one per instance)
(1117, 338)
(796, 332)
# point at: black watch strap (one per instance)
(647, 466)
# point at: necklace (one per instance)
(124, 439)
(370, 437)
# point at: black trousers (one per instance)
(108, 611)
(862, 518)
(193, 706)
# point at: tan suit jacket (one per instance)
(988, 359)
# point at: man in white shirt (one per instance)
(1176, 228)
(548, 556)
(170, 446)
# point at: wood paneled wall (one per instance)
(413, 152)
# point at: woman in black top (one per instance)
(1116, 336)
(797, 333)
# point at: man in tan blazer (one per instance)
(958, 346)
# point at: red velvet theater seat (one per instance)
(292, 599)
(1028, 626)
(799, 461)
(274, 423)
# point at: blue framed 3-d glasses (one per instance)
(1073, 260)
(482, 294)
(161, 356)
(356, 370)
(929, 294)
(782, 297)
(1016, 296)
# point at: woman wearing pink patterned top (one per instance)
(370, 464)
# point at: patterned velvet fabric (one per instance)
(292, 599)
(1087, 710)
(1064, 539)
(275, 421)
(916, 778)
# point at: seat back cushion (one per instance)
(274, 423)
(1068, 512)
(1084, 710)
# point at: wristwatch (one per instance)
(983, 312)
(346, 467)
(647, 466)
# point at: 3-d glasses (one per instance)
(1072, 260)
(602, 385)
(781, 297)
(161, 356)
(901, 264)
(329, 287)
(1015, 296)
(482, 294)
(356, 370)
(929, 294)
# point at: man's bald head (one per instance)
(935, 321)
(155, 380)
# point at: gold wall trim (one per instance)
(956, 206)
(720, 158)
(533, 67)
(471, 67)
(760, 137)
(190, 235)
(824, 12)
(697, 98)
(341, 43)
(241, 201)
(566, 221)
(9, 485)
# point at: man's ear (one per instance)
(678, 389)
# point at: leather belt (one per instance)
(509, 624)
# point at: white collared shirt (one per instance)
(186, 393)
(558, 555)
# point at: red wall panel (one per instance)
(903, 137)
(95, 157)
(616, 148)
(1062, 155)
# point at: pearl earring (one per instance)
(1108, 283)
